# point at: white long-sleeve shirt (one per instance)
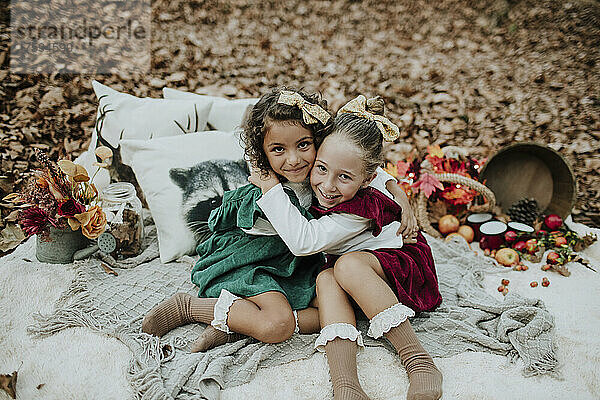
(304, 193)
(336, 233)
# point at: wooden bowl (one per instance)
(531, 170)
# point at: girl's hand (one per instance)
(410, 239)
(264, 182)
(408, 224)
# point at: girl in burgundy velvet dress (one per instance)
(357, 227)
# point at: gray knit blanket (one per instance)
(467, 320)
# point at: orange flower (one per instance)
(92, 222)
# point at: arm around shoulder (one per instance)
(302, 236)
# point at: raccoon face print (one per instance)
(202, 188)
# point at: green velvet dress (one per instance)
(247, 265)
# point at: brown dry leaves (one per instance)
(480, 74)
(561, 269)
(108, 269)
(10, 237)
(8, 383)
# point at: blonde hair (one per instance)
(365, 134)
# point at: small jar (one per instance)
(123, 212)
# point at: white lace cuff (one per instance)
(297, 328)
(222, 306)
(339, 330)
(388, 319)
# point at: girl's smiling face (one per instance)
(290, 149)
(338, 172)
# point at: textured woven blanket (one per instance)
(468, 320)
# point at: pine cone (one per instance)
(525, 210)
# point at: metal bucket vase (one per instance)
(61, 247)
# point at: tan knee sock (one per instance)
(425, 379)
(212, 337)
(179, 310)
(341, 357)
(308, 320)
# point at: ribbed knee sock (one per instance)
(341, 357)
(308, 320)
(176, 311)
(425, 379)
(212, 337)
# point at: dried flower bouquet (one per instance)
(61, 195)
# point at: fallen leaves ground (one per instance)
(476, 74)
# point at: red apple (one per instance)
(552, 258)
(448, 224)
(559, 241)
(553, 222)
(531, 246)
(520, 245)
(507, 257)
(510, 236)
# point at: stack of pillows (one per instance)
(184, 150)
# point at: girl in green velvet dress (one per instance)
(248, 280)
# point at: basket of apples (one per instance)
(443, 184)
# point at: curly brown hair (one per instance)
(266, 111)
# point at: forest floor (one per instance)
(478, 74)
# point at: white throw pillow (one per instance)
(123, 116)
(225, 115)
(183, 178)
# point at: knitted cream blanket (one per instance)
(468, 320)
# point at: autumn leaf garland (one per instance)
(416, 175)
(428, 184)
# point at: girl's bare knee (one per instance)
(277, 328)
(348, 269)
(325, 278)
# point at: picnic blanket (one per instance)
(163, 368)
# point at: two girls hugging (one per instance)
(316, 189)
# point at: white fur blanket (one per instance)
(75, 363)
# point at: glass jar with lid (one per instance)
(123, 212)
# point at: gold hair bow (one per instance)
(311, 113)
(358, 107)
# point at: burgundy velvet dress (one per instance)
(409, 269)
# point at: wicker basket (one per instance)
(421, 206)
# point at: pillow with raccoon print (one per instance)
(183, 179)
(225, 115)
